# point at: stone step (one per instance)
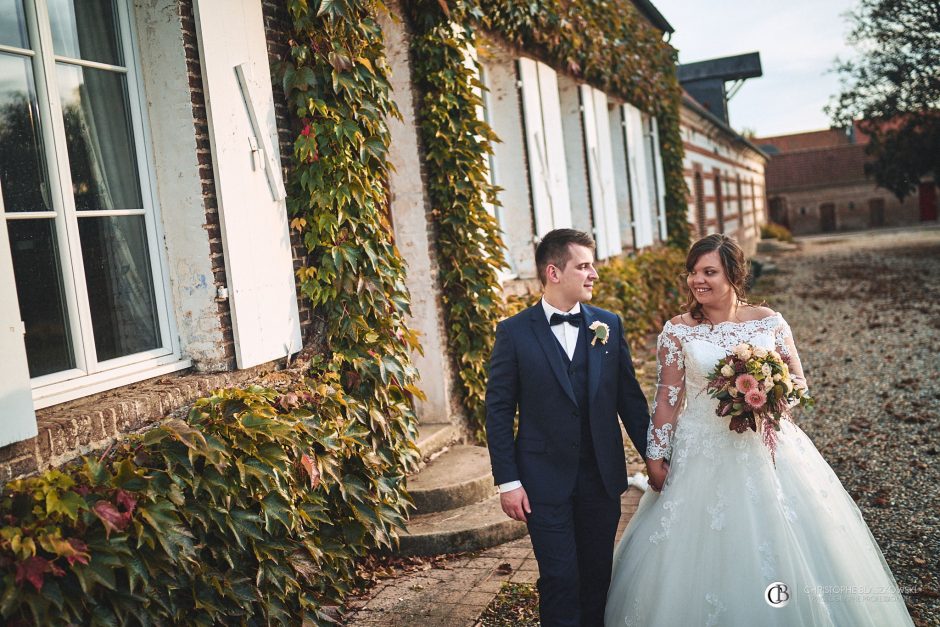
(468, 528)
(434, 437)
(458, 477)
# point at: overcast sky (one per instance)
(798, 41)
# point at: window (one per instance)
(545, 149)
(699, 192)
(76, 197)
(599, 155)
(642, 178)
(486, 114)
(719, 200)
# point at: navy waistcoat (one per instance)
(577, 369)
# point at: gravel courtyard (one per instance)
(865, 313)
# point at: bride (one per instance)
(732, 538)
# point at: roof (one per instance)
(834, 165)
(697, 107)
(652, 14)
(812, 140)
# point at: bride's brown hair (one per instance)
(733, 261)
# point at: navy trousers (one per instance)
(574, 547)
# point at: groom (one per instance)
(566, 367)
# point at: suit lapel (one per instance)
(543, 332)
(595, 353)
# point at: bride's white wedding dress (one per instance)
(729, 524)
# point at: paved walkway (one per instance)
(455, 593)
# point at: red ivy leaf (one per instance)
(126, 500)
(310, 465)
(110, 517)
(32, 570)
(81, 554)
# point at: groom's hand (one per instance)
(515, 503)
(657, 470)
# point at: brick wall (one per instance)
(206, 174)
(277, 28)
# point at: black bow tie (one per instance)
(573, 319)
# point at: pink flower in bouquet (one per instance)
(756, 397)
(745, 383)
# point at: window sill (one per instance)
(72, 389)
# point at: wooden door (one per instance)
(827, 217)
(927, 194)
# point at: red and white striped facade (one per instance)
(724, 174)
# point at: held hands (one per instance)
(515, 503)
(657, 470)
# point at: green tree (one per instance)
(893, 88)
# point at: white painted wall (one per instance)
(409, 206)
(178, 187)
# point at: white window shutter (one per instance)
(17, 415)
(640, 192)
(660, 181)
(255, 234)
(555, 146)
(539, 178)
(601, 171)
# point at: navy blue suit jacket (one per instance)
(527, 373)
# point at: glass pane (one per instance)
(36, 267)
(13, 24)
(120, 285)
(23, 173)
(100, 138)
(85, 29)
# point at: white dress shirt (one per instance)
(567, 336)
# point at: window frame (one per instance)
(90, 374)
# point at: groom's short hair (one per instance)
(554, 249)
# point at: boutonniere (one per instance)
(601, 332)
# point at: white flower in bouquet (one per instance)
(778, 377)
(759, 352)
(768, 383)
(727, 370)
(742, 351)
(765, 370)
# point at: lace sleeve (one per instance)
(670, 394)
(783, 339)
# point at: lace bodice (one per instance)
(685, 356)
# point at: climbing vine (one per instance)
(608, 44)
(605, 43)
(337, 88)
(469, 246)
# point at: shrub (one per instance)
(643, 289)
(772, 230)
(251, 512)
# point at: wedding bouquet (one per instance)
(755, 391)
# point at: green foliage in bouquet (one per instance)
(251, 512)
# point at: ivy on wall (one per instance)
(337, 87)
(605, 43)
(611, 46)
(469, 245)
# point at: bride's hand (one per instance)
(657, 470)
